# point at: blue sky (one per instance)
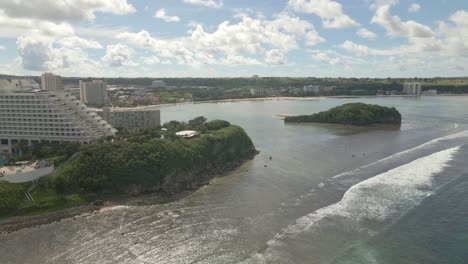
(214, 38)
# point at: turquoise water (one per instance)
(329, 195)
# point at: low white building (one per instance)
(187, 134)
(312, 89)
(430, 92)
(158, 83)
(257, 92)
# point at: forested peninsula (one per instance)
(132, 163)
(351, 114)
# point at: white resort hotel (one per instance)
(48, 114)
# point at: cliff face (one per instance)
(226, 152)
(352, 114)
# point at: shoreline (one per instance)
(16, 223)
(292, 98)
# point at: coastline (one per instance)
(279, 98)
(17, 223)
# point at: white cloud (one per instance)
(366, 34)
(397, 28)
(231, 43)
(275, 57)
(414, 8)
(455, 34)
(77, 42)
(331, 12)
(58, 11)
(118, 55)
(235, 60)
(375, 4)
(34, 53)
(325, 58)
(14, 27)
(151, 60)
(161, 14)
(2, 48)
(41, 53)
(356, 48)
(205, 3)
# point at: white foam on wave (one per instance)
(113, 208)
(399, 154)
(385, 197)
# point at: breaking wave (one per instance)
(365, 209)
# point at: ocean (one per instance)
(330, 194)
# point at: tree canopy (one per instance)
(352, 114)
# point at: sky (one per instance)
(235, 38)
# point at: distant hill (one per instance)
(352, 114)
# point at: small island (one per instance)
(162, 162)
(359, 114)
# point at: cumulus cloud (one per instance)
(414, 8)
(77, 42)
(356, 48)
(161, 14)
(395, 27)
(325, 58)
(275, 57)
(34, 53)
(205, 3)
(331, 12)
(58, 11)
(232, 42)
(2, 48)
(375, 4)
(118, 55)
(455, 34)
(366, 34)
(151, 60)
(41, 53)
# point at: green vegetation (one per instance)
(135, 162)
(352, 114)
(12, 196)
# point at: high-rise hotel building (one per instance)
(51, 82)
(49, 115)
(93, 93)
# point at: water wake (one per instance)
(365, 209)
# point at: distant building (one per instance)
(51, 82)
(430, 92)
(131, 118)
(158, 83)
(312, 89)
(255, 76)
(257, 92)
(327, 89)
(93, 93)
(412, 88)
